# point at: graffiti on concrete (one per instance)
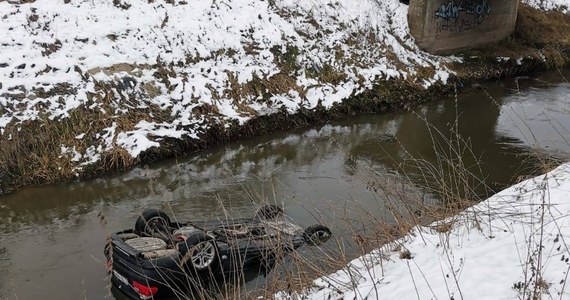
(462, 15)
(449, 11)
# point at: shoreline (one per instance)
(35, 153)
(512, 244)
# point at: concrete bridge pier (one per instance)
(442, 26)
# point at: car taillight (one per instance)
(146, 292)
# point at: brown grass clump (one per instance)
(279, 83)
(282, 83)
(117, 159)
(30, 152)
(328, 74)
(541, 39)
(538, 28)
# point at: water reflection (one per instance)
(538, 118)
(52, 236)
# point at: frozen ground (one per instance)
(174, 68)
(514, 245)
(188, 61)
(562, 5)
(143, 71)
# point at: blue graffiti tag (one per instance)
(479, 9)
(452, 10)
(451, 14)
(449, 10)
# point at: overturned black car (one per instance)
(161, 257)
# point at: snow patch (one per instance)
(491, 252)
(179, 68)
(562, 5)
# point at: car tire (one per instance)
(199, 252)
(269, 212)
(317, 234)
(153, 223)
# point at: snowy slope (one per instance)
(117, 58)
(562, 5)
(514, 245)
(517, 238)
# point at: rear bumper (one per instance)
(166, 278)
(128, 265)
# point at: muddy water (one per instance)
(51, 237)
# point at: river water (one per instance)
(51, 237)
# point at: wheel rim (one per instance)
(319, 236)
(203, 255)
(155, 225)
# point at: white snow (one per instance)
(203, 47)
(518, 236)
(125, 57)
(562, 5)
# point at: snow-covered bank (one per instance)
(89, 86)
(514, 245)
(562, 5)
(119, 57)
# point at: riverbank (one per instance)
(112, 85)
(513, 245)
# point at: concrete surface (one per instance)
(442, 26)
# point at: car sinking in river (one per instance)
(160, 257)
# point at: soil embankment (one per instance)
(91, 99)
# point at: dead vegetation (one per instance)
(538, 28)
(541, 40)
(30, 152)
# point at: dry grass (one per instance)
(280, 83)
(28, 152)
(449, 183)
(541, 39)
(538, 28)
(295, 271)
(453, 181)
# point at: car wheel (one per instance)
(154, 223)
(199, 251)
(317, 234)
(269, 212)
